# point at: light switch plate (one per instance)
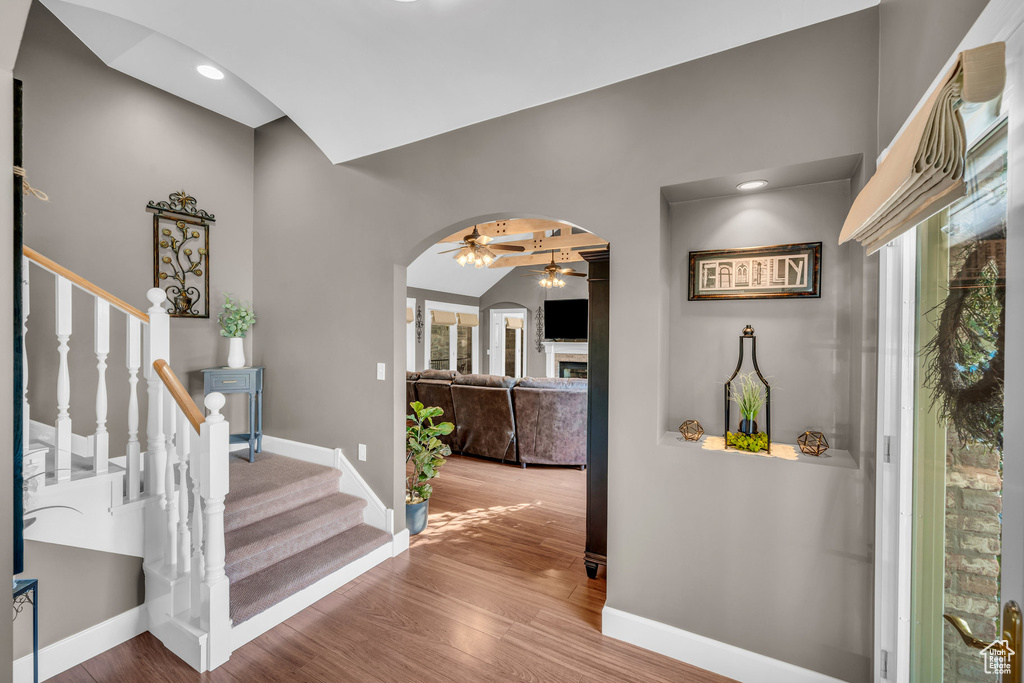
(362, 451)
(380, 371)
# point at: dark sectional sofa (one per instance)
(535, 421)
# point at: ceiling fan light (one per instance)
(478, 264)
(488, 259)
(484, 239)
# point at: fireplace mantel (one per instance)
(551, 349)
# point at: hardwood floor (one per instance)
(493, 590)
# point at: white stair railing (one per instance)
(93, 458)
(187, 590)
(188, 579)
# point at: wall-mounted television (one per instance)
(565, 319)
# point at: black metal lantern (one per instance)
(691, 430)
(748, 333)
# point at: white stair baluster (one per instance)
(198, 564)
(24, 357)
(183, 443)
(215, 618)
(101, 339)
(170, 493)
(156, 347)
(133, 358)
(62, 427)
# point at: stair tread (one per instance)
(266, 588)
(255, 546)
(272, 485)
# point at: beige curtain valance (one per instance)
(514, 323)
(924, 170)
(409, 316)
(468, 320)
(443, 317)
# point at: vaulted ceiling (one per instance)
(363, 76)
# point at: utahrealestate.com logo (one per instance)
(997, 657)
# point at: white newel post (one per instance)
(157, 343)
(216, 617)
(24, 358)
(133, 358)
(101, 343)
(62, 427)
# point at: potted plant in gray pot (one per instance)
(425, 451)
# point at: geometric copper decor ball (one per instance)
(691, 430)
(812, 443)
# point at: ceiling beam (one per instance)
(515, 226)
(584, 239)
(563, 256)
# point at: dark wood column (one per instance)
(597, 413)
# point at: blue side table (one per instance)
(22, 587)
(241, 381)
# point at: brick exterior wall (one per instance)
(973, 547)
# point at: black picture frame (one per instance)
(754, 272)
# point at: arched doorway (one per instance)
(515, 266)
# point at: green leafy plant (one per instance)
(750, 396)
(424, 449)
(747, 442)
(235, 318)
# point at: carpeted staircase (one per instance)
(286, 527)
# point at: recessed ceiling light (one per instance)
(210, 71)
(752, 185)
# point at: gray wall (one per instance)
(85, 588)
(516, 291)
(804, 345)
(12, 21)
(916, 38)
(422, 295)
(597, 160)
(102, 144)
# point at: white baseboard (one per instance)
(710, 655)
(376, 514)
(293, 604)
(73, 650)
(401, 543)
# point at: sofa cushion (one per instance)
(411, 376)
(566, 384)
(486, 425)
(439, 374)
(551, 422)
(493, 381)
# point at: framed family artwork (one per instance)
(780, 271)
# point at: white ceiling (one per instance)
(363, 76)
(442, 273)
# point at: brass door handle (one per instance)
(1013, 634)
(964, 630)
(229, 381)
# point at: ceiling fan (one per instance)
(474, 249)
(551, 274)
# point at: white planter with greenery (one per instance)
(235, 320)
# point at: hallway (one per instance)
(493, 590)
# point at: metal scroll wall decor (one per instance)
(539, 332)
(181, 254)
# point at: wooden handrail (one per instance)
(80, 281)
(178, 393)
